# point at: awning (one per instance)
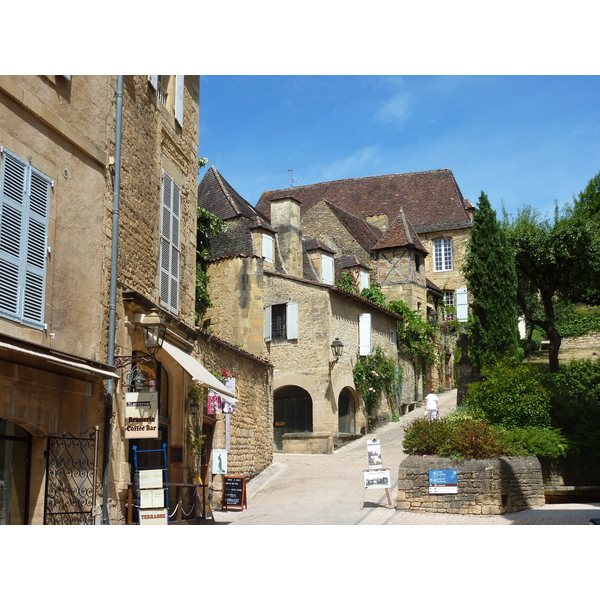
(70, 365)
(195, 369)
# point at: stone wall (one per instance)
(485, 487)
(590, 340)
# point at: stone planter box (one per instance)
(493, 486)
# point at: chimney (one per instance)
(285, 218)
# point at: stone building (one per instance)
(274, 294)
(98, 213)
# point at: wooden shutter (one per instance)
(364, 334)
(267, 323)
(462, 304)
(169, 245)
(153, 80)
(267, 247)
(292, 320)
(327, 262)
(24, 208)
(179, 99)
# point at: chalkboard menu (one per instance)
(234, 493)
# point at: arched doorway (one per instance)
(292, 412)
(15, 458)
(346, 412)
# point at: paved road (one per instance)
(301, 489)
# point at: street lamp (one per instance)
(154, 330)
(337, 348)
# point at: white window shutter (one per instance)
(327, 263)
(292, 320)
(267, 323)
(364, 280)
(267, 247)
(364, 334)
(153, 79)
(179, 99)
(462, 304)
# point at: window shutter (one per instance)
(292, 320)
(462, 304)
(267, 247)
(169, 245)
(24, 208)
(364, 280)
(364, 334)
(267, 323)
(179, 99)
(153, 80)
(327, 263)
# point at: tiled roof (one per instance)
(364, 233)
(431, 200)
(400, 233)
(216, 195)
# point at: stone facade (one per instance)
(485, 487)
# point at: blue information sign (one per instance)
(443, 481)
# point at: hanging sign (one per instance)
(377, 479)
(141, 415)
(443, 481)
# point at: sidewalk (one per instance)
(299, 489)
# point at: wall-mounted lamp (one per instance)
(194, 407)
(337, 347)
(154, 330)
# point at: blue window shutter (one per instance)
(24, 210)
(179, 99)
(292, 320)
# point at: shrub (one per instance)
(455, 438)
(537, 441)
(510, 394)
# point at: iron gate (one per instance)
(71, 468)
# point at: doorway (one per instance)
(292, 413)
(15, 459)
(346, 412)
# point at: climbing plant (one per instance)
(372, 375)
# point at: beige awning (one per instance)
(56, 361)
(195, 369)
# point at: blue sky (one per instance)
(520, 139)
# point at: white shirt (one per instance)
(432, 401)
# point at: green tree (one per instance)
(492, 281)
(554, 258)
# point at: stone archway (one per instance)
(292, 413)
(346, 411)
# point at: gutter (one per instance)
(112, 314)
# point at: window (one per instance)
(169, 245)
(267, 247)
(281, 322)
(449, 313)
(364, 334)
(24, 210)
(442, 254)
(169, 89)
(327, 275)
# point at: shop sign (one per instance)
(154, 517)
(141, 415)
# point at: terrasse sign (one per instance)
(141, 415)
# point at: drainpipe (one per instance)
(112, 313)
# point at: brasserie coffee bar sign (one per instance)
(141, 415)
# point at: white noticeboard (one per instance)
(151, 479)
(152, 498)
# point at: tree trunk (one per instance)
(555, 340)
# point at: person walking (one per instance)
(432, 405)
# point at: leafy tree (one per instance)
(553, 259)
(490, 272)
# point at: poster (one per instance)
(151, 478)
(377, 479)
(443, 481)
(214, 403)
(141, 415)
(219, 462)
(152, 498)
(374, 454)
